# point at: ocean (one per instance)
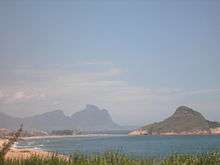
(140, 146)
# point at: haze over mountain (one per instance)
(184, 121)
(90, 119)
(93, 117)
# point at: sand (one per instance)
(15, 153)
(2, 141)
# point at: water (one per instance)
(159, 146)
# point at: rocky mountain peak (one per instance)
(184, 111)
(56, 113)
(91, 107)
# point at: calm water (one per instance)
(137, 146)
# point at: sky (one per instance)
(140, 60)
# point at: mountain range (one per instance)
(184, 121)
(90, 119)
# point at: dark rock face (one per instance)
(184, 121)
(89, 119)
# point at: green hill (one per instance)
(184, 121)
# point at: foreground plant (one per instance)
(7, 145)
(112, 158)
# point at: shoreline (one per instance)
(109, 135)
(25, 153)
(71, 136)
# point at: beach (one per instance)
(15, 153)
(25, 153)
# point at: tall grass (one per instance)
(117, 159)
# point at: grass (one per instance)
(112, 158)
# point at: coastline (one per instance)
(142, 131)
(70, 136)
(25, 153)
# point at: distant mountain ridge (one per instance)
(91, 118)
(184, 121)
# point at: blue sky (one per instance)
(140, 60)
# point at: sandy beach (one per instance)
(15, 153)
(2, 141)
(27, 152)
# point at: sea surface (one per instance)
(141, 146)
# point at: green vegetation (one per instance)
(183, 120)
(117, 159)
(213, 124)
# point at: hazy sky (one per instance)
(140, 60)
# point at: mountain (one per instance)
(90, 119)
(9, 122)
(93, 117)
(184, 121)
(55, 120)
